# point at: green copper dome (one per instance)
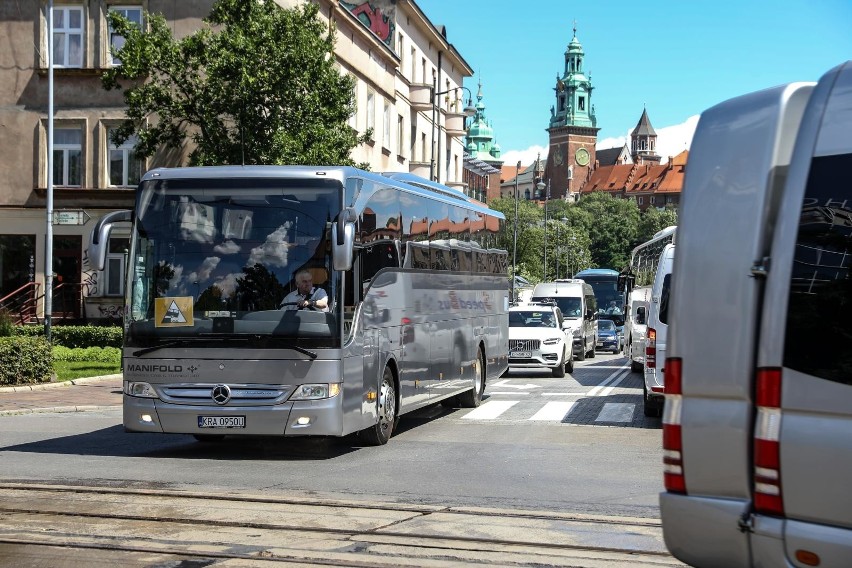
(573, 91)
(479, 141)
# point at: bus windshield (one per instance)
(213, 259)
(610, 300)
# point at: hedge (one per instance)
(99, 354)
(25, 360)
(76, 335)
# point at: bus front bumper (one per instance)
(302, 418)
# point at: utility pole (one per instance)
(515, 238)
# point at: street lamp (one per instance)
(515, 237)
(540, 187)
(469, 110)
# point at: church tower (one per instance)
(480, 142)
(573, 127)
(643, 142)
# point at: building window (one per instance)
(413, 63)
(114, 267)
(413, 134)
(400, 135)
(371, 112)
(125, 169)
(116, 41)
(400, 49)
(386, 126)
(68, 157)
(640, 200)
(422, 146)
(68, 36)
(581, 103)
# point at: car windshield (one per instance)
(531, 319)
(606, 325)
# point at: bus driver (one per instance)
(305, 296)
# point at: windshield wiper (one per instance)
(161, 346)
(303, 351)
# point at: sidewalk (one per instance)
(90, 393)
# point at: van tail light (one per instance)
(767, 449)
(651, 348)
(672, 440)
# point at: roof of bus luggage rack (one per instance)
(417, 181)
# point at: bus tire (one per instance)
(472, 398)
(382, 430)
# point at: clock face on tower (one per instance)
(582, 157)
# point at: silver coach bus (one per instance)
(417, 301)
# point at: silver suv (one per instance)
(536, 339)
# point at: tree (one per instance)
(257, 85)
(613, 227)
(654, 220)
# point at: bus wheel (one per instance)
(472, 398)
(380, 433)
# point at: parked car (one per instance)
(609, 339)
(537, 339)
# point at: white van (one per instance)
(635, 326)
(579, 308)
(655, 335)
(757, 429)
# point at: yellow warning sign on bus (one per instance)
(173, 312)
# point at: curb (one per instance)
(59, 384)
(56, 409)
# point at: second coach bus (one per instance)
(401, 301)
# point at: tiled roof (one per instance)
(637, 179)
(608, 156)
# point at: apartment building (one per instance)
(409, 91)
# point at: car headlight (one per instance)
(315, 391)
(551, 341)
(142, 390)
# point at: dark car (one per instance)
(608, 336)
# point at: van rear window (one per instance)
(819, 314)
(664, 299)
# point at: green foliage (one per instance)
(110, 355)
(24, 360)
(257, 85)
(654, 220)
(76, 335)
(613, 228)
(7, 327)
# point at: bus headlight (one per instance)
(316, 391)
(142, 390)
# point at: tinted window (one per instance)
(664, 299)
(820, 305)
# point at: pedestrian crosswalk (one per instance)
(602, 394)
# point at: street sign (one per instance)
(70, 217)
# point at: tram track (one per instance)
(265, 529)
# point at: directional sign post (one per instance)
(70, 217)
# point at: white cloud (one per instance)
(671, 141)
(526, 157)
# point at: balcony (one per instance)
(454, 123)
(420, 95)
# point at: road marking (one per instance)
(610, 379)
(491, 409)
(553, 410)
(563, 394)
(505, 383)
(616, 412)
(610, 388)
(509, 393)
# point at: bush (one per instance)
(6, 325)
(76, 335)
(97, 354)
(25, 360)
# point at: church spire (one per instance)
(573, 90)
(480, 142)
(644, 141)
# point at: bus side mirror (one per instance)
(343, 239)
(99, 239)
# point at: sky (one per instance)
(675, 58)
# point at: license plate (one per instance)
(221, 421)
(520, 354)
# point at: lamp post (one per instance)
(469, 110)
(540, 186)
(515, 236)
(567, 252)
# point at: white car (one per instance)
(537, 340)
